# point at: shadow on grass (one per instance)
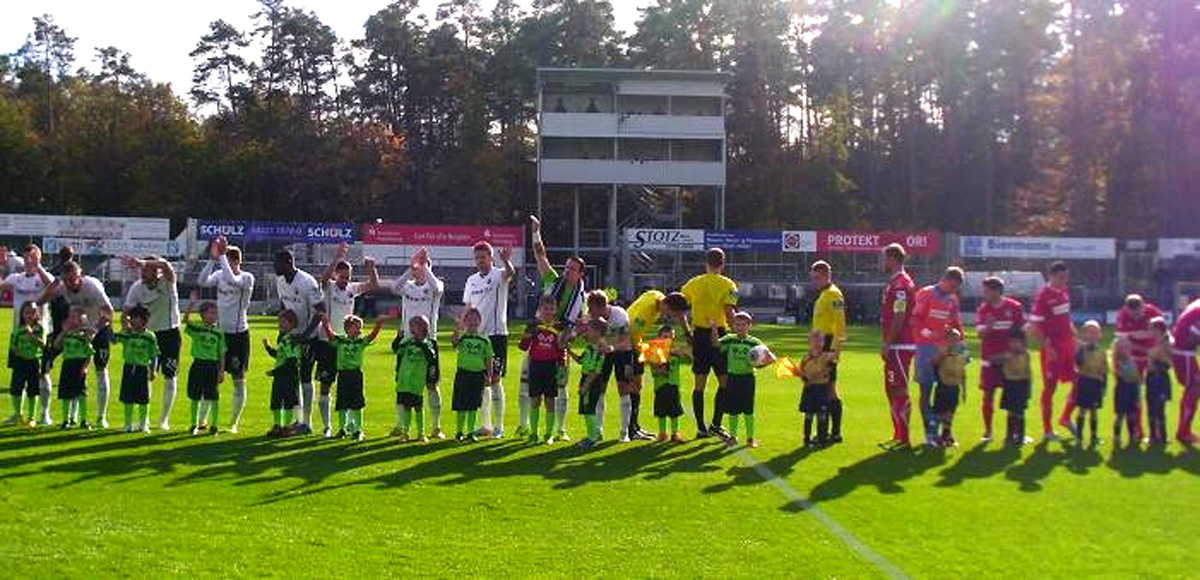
(979, 462)
(884, 471)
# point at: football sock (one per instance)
(143, 415)
(750, 426)
(498, 407)
(626, 410)
(239, 400)
(420, 421)
(485, 407)
(399, 416)
(674, 425)
(590, 422)
(278, 413)
(662, 425)
(1047, 404)
(405, 419)
(288, 416)
(47, 394)
(523, 399)
(734, 421)
(66, 410)
(128, 416)
(718, 407)
(822, 426)
(808, 425)
(326, 417)
(213, 407)
(561, 404)
(16, 405)
(435, 407)
(549, 419)
(306, 403)
(535, 414)
(635, 406)
(989, 397)
(471, 417)
(356, 415)
(460, 421)
(101, 396)
(835, 414)
(343, 416)
(698, 409)
(195, 408)
(169, 387)
(30, 405)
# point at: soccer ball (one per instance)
(760, 355)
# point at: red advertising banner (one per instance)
(920, 243)
(441, 236)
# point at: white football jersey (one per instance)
(26, 288)
(339, 303)
(162, 300)
(489, 294)
(90, 297)
(420, 300)
(233, 294)
(301, 296)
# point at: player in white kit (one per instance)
(421, 295)
(87, 294)
(27, 285)
(340, 294)
(487, 291)
(156, 291)
(234, 291)
(299, 292)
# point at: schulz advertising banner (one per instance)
(283, 232)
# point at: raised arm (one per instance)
(378, 327)
(372, 283)
(506, 260)
(539, 247)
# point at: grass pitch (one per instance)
(105, 504)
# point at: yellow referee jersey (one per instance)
(708, 295)
(643, 315)
(829, 314)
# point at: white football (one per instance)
(760, 355)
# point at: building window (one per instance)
(708, 150)
(576, 148)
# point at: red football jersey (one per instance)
(1052, 312)
(934, 313)
(1187, 328)
(543, 345)
(1137, 328)
(900, 290)
(1005, 316)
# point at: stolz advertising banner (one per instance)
(744, 240)
(100, 247)
(395, 244)
(285, 232)
(1038, 248)
(441, 236)
(84, 227)
(665, 239)
(1175, 247)
(918, 243)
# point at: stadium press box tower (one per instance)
(656, 131)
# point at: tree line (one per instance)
(989, 116)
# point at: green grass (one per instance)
(109, 504)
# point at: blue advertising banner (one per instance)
(744, 239)
(288, 232)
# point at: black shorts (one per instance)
(1158, 387)
(543, 378)
(468, 390)
(325, 357)
(135, 385)
(499, 354)
(237, 353)
(49, 354)
(590, 400)
(72, 383)
(815, 398)
(945, 398)
(102, 344)
(26, 377)
(1125, 397)
(618, 363)
(202, 380)
(1015, 397)
(410, 400)
(169, 345)
(350, 391)
(666, 401)
(706, 355)
(285, 387)
(1089, 394)
(739, 395)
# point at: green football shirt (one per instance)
(415, 357)
(140, 347)
(76, 345)
(286, 352)
(737, 351)
(667, 374)
(26, 344)
(473, 352)
(592, 361)
(208, 343)
(350, 352)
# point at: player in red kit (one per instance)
(995, 320)
(1183, 357)
(935, 310)
(1133, 324)
(1050, 321)
(898, 348)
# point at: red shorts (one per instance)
(895, 369)
(1187, 371)
(990, 376)
(1063, 369)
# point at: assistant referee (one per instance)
(829, 318)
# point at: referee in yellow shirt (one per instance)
(712, 298)
(646, 313)
(829, 318)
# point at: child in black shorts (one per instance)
(1158, 381)
(1092, 364)
(140, 348)
(665, 369)
(816, 370)
(1126, 395)
(951, 363)
(75, 345)
(474, 365)
(1017, 371)
(285, 376)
